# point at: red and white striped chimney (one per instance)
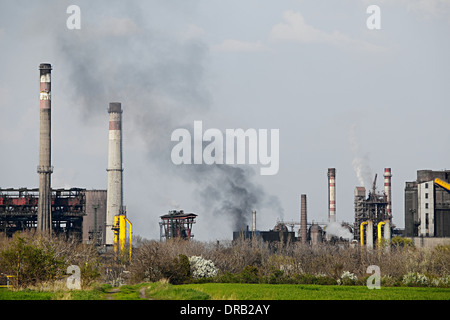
(387, 190)
(331, 195)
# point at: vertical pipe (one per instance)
(114, 205)
(387, 190)
(44, 216)
(361, 232)
(380, 224)
(303, 219)
(369, 234)
(331, 195)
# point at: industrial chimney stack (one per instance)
(303, 219)
(387, 190)
(114, 205)
(254, 221)
(45, 169)
(331, 195)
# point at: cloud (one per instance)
(230, 45)
(296, 29)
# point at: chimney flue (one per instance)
(254, 221)
(303, 220)
(387, 190)
(114, 201)
(45, 169)
(331, 195)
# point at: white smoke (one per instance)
(336, 229)
(360, 163)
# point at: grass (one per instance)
(231, 291)
(235, 291)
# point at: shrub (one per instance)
(249, 274)
(347, 278)
(415, 279)
(31, 263)
(178, 271)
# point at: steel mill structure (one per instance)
(373, 215)
(177, 224)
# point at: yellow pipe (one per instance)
(442, 183)
(361, 233)
(379, 232)
(131, 235)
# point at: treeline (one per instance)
(33, 259)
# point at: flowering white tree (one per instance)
(202, 268)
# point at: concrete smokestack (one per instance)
(303, 219)
(45, 169)
(387, 190)
(331, 195)
(254, 220)
(114, 205)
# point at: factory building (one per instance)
(280, 233)
(427, 204)
(94, 222)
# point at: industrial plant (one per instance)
(100, 217)
(89, 216)
(427, 200)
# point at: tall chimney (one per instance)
(303, 219)
(114, 205)
(45, 169)
(387, 190)
(331, 195)
(254, 221)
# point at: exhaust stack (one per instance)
(253, 220)
(331, 195)
(303, 220)
(387, 190)
(114, 201)
(45, 169)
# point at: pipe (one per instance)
(361, 232)
(45, 169)
(331, 195)
(381, 223)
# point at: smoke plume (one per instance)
(159, 77)
(337, 230)
(360, 163)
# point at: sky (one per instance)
(341, 95)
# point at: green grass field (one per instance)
(225, 291)
(232, 291)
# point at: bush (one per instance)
(249, 274)
(347, 278)
(178, 271)
(415, 279)
(31, 263)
